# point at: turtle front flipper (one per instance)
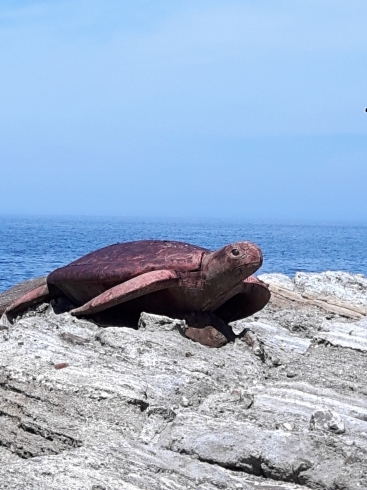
(208, 329)
(131, 289)
(208, 336)
(254, 296)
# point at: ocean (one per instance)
(32, 246)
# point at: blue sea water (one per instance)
(34, 246)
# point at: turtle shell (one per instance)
(118, 263)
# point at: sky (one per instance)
(250, 109)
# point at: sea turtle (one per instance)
(163, 277)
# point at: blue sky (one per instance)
(221, 109)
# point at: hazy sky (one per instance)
(233, 109)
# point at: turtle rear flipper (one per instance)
(134, 288)
(12, 294)
(36, 295)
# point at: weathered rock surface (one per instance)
(333, 285)
(335, 291)
(284, 407)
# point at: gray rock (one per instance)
(278, 344)
(333, 285)
(350, 335)
(337, 292)
(287, 426)
(150, 322)
(336, 287)
(327, 420)
(88, 407)
(277, 279)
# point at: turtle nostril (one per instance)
(254, 254)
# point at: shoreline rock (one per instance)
(285, 407)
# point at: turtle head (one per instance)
(232, 264)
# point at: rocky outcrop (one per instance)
(337, 292)
(283, 407)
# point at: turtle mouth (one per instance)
(248, 269)
(250, 266)
(252, 259)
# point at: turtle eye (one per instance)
(235, 252)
